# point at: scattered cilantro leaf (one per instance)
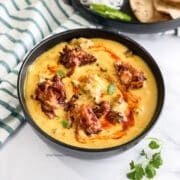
(132, 165)
(139, 172)
(111, 89)
(150, 171)
(156, 160)
(61, 73)
(153, 145)
(143, 153)
(131, 175)
(65, 123)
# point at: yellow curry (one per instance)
(91, 93)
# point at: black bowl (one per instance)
(90, 33)
(131, 27)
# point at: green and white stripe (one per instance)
(24, 23)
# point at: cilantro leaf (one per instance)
(111, 89)
(150, 171)
(65, 123)
(153, 145)
(61, 73)
(132, 165)
(156, 160)
(131, 175)
(138, 172)
(143, 153)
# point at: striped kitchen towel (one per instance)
(24, 23)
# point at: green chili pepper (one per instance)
(110, 12)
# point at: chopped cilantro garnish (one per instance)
(137, 173)
(111, 89)
(65, 123)
(61, 73)
(150, 171)
(143, 153)
(153, 144)
(131, 175)
(132, 165)
(156, 160)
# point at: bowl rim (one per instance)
(72, 147)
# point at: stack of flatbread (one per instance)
(148, 11)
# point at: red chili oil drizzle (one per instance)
(105, 124)
(112, 54)
(130, 122)
(52, 69)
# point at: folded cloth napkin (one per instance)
(24, 23)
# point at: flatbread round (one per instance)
(145, 11)
(173, 9)
(172, 1)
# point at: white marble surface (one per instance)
(25, 156)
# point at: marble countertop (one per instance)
(26, 156)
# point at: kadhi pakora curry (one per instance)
(91, 93)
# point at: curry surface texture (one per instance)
(53, 127)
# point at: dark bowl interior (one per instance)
(131, 27)
(90, 33)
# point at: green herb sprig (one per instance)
(152, 162)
